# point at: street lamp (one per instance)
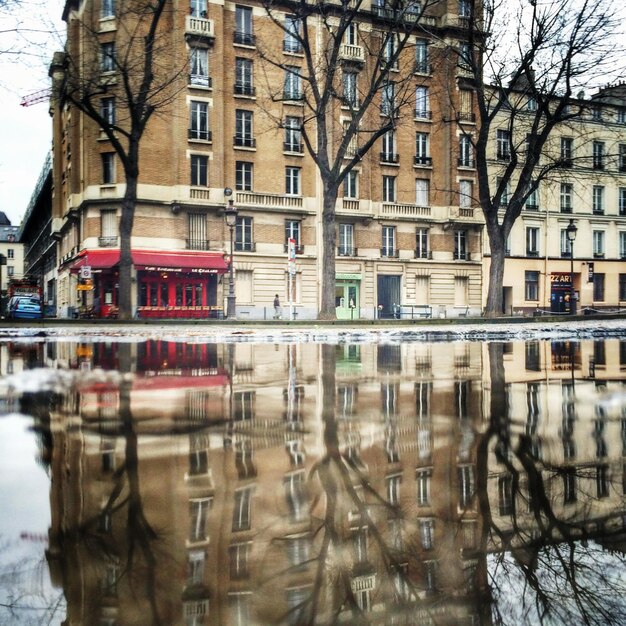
(571, 236)
(230, 216)
(3, 261)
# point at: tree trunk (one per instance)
(329, 244)
(126, 261)
(494, 304)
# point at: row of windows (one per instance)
(531, 289)
(598, 237)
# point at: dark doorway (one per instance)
(388, 296)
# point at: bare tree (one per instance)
(135, 66)
(367, 88)
(526, 62)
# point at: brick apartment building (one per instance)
(407, 230)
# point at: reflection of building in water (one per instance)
(256, 519)
(281, 494)
(566, 444)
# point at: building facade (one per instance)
(407, 230)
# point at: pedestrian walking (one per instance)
(277, 312)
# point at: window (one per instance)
(298, 550)
(292, 181)
(505, 495)
(243, 176)
(243, 234)
(465, 55)
(242, 510)
(423, 487)
(422, 149)
(346, 240)
(598, 200)
(422, 192)
(197, 232)
(421, 243)
(199, 121)
(243, 129)
(243, 26)
(10, 253)
(622, 201)
(466, 155)
(567, 151)
(596, 114)
(351, 37)
(293, 134)
(567, 195)
(350, 94)
(422, 103)
(598, 155)
(198, 511)
(197, 8)
(532, 241)
(351, 185)
(292, 231)
(621, 116)
(244, 85)
(532, 200)
(465, 8)
(107, 110)
(295, 495)
(291, 41)
(466, 194)
(565, 243)
(199, 170)
(466, 485)
(389, 188)
(239, 559)
(531, 104)
(460, 245)
(421, 56)
(108, 168)
(388, 153)
(108, 228)
(598, 287)
(622, 297)
(108, 8)
(10, 270)
(107, 57)
(466, 105)
(506, 191)
(622, 245)
(199, 67)
(389, 54)
(388, 98)
(622, 157)
(503, 145)
(293, 83)
(598, 243)
(531, 286)
(389, 241)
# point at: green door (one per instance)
(347, 303)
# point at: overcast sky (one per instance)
(26, 131)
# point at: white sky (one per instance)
(26, 132)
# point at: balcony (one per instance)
(598, 211)
(351, 53)
(293, 96)
(392, 209)
(244, 89)
(532, 206)
(566, 209)
(389, 157)
(199, 27)
(565, 162)
(200, 135)
(598, 255)
(107, 242)
(423, 254)
(423, 114)
(292, 46)
(297, 148)
(422, 67)
(466, 117)
(244, 142)
(464, 162)
(461, 255)
(245, 246)
(200, 80)
(299, 248)
(199, 193)
(389, 253)
(347, 251)
(197, 244)
(267, 200)
(244, 39)
(424, 161)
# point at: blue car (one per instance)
(24, 307)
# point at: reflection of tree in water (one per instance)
(545, 566)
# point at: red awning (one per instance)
(155, 260)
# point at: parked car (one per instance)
(24, 307)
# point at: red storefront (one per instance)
(181, 284)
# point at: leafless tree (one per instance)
(135, 66)
(370, 106)
(526, 62)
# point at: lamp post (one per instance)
(571, 236)
(3, 261)
(230, 215)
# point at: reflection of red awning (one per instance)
(147, 383)
(155, 260)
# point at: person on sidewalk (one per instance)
(277, 311)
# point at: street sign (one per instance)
(85, 271)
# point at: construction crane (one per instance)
(36, 97)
